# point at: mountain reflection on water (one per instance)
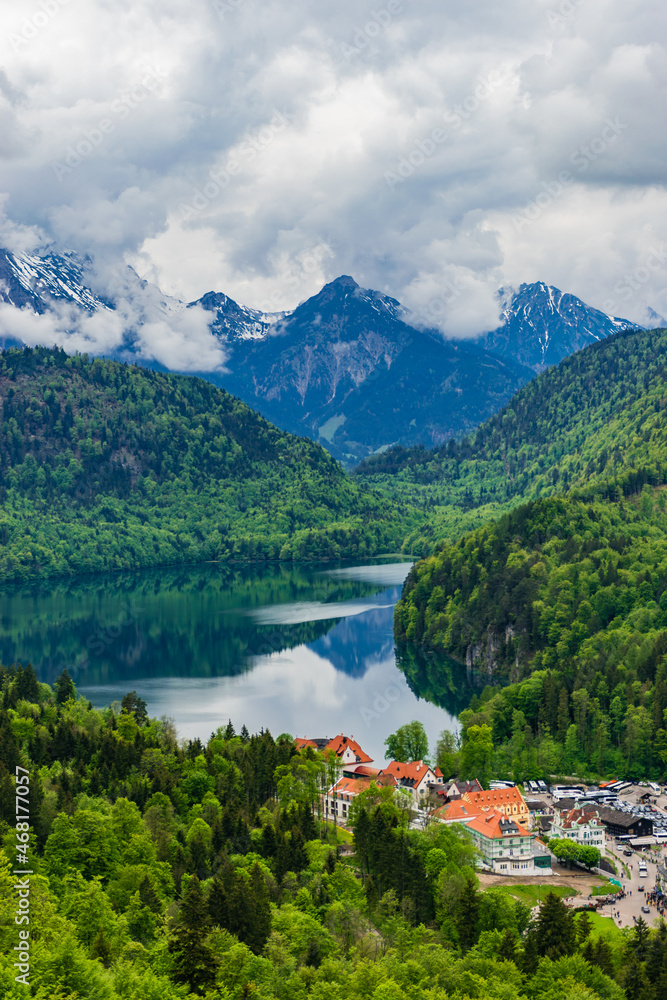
(300, 649)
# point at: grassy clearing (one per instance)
(603, 890)
(606, 928)
(531, 895)
(341, 835)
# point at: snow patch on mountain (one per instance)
(46, 298)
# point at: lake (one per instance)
(306, 650)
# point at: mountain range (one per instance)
(349, 367)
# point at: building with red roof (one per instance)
(345, 748)
(340, 796)
(414, 775)
(505, 846)
(508, 801)
(582, 825)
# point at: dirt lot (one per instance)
(582, 882)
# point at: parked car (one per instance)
(641, 888)
(628, 853)
(645, 909)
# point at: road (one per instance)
(630, 907)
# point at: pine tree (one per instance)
(148, 895)
(101, 949)
(218, 909)
(195, 963)
(556, 935)
(584, 927)
(466, 918)
(64, 688)
(635, 983)
(361, 835)
(529, 959)
(259, 923)
(269, 841)
(604, 957)
(656, 955)
(507, 947)
(27, 685)
(638, 944)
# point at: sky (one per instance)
(433, 150)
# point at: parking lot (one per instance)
(627, 910)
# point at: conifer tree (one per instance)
(507, 948)
(259, 923)
(195, 963)
(64, 688)
(556, 935)
(467, 915)
(27, 686)
(148, 895)
(269, 841)
(584, 927)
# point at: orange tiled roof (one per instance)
(457, 811)
(353, 785)
(490, 825)
(339, 743)
(414, 771)
(497, 797)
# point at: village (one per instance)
(526, 836)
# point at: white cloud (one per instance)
(516, 89)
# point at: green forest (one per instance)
(595, 423)
(160, 869)
(558, 606)
(106, 466)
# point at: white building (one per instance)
(582, 825)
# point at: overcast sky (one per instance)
(433, 150)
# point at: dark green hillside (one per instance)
(564, 596)
(573, 596)
(108, 466)
(597, 418)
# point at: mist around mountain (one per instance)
(542, 325)
(345, 368)
(349, 367)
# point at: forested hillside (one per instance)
(598, 419)
(573, 595)
(163, 870)
(569, 590)
(109, 466)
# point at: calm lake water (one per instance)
(300, 649)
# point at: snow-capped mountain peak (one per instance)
(541, 325)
